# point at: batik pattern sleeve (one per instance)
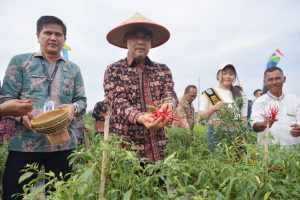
(12, 82)
(79, 98)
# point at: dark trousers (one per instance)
(52, 161)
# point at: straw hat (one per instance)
(116, 35)
(54, 125)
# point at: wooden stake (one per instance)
(105, 157)
(266, 148)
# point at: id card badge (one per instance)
(49, 105)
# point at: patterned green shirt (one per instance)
(26, 79)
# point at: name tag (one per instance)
(49, 105)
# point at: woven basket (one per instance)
(51, 122)
(50, 118)
(59, 126)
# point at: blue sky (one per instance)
(204, 33)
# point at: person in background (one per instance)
(284, 128)
(185, 109)
(79, 129)
(134, 83)
(99, 113)
(257, 93)
(215, 98)
(52, 82)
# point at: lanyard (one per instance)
(50, 79)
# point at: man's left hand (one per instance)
(295, 131)
(71, 109)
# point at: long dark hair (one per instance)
(237, 96)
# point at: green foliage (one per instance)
(235, 170)
(3, 157)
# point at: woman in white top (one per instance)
(213, 99)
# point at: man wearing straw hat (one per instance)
(136, 82)
(51, 81)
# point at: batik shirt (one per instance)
(185, 112)
(129, 88)
(99, 113)
(26, 79)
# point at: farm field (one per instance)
(237, 169)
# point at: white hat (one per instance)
(226, 64)
(229, 64)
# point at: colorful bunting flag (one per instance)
(65, 50)
(272, 62)
(274, 58)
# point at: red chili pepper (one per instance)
(278, 168)
(273, 112)
(163, 114)
(26, 101)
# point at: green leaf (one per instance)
(169, 158)
(88, 174)
(127, 195)
(266, 196)
(80, 190)
(25, 176)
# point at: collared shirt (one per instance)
(289, 113)
(25, 79)
(124, 84)
(185, 112)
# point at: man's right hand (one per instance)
(261, 126)
(16, 107)
(219, 105)
(151, 123)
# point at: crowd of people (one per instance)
(132, 85)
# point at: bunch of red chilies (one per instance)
(273, 112)
(26, 101)
(164, 114)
